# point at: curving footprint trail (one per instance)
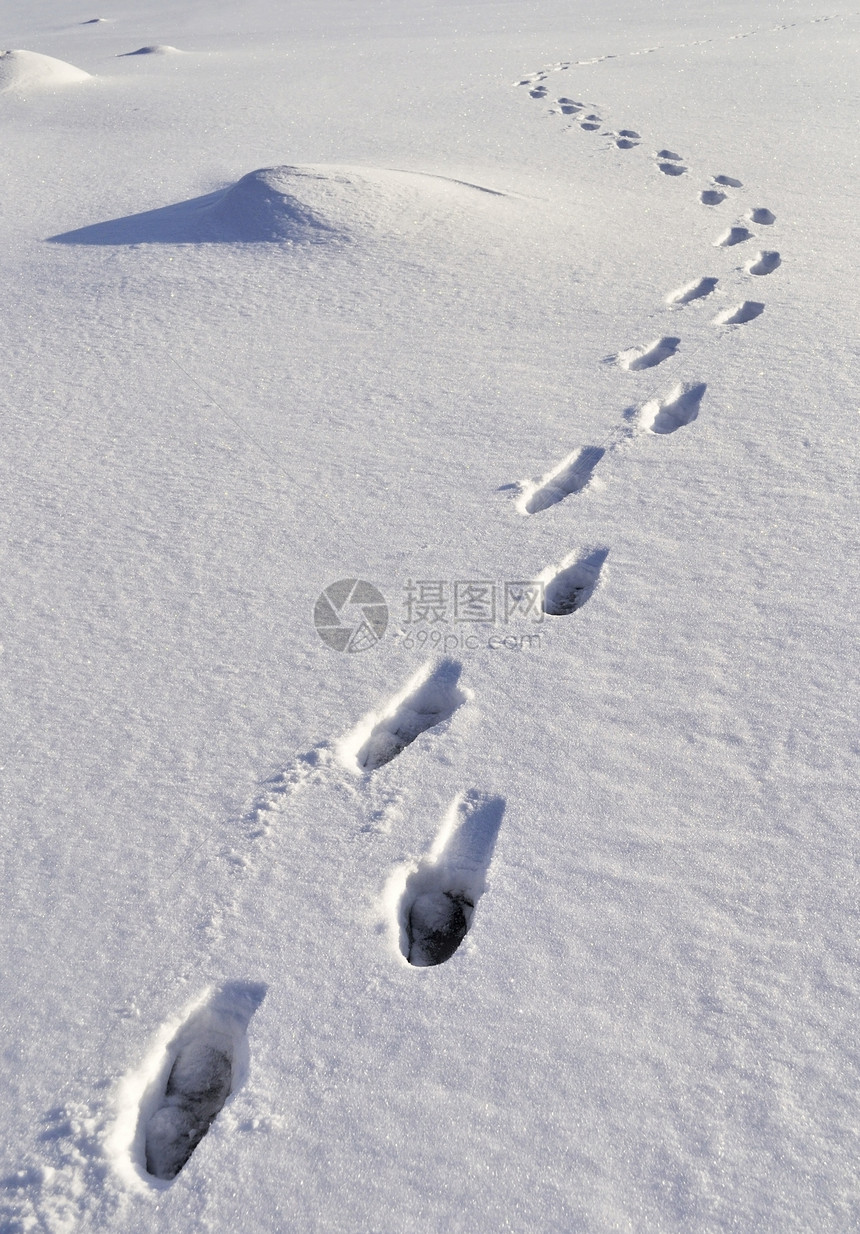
(562, 66)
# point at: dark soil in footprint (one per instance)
(439, 899)
(765, 263)
(711, 197)
(201, 1077)
(573, 586)
(436, 926)
(735, 235)
(197, 1088)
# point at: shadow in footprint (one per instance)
(696, 290)
(437, 906)
(740, 314)
(762, 216)
(430, 698)
(765, 263)
(672, 169)
(734, 235)
(679, 410)
(639, 358)
(669, 154)
(711, 197)
(728, 182)
(206, 1060)
(572, 475)
(571, 585)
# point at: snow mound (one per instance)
(156, 49)
(278, 203)
(27, 70)
(310, 204)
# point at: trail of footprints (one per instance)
(434, 899)
(573, 474)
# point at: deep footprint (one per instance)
(679, 410)
(437, 907)
(672, 169)
(734, 235)
(573, 584)
(765, 263)
(711, 197)
(728, 182)
(762, 216)
(696, 290)
(203, 1061)
(431, 698)
(639, 358)
(740, 314)
(572, 475)
(669, 154)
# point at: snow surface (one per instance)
(332, 296)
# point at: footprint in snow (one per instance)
(680, 409)
(591, 123)
(696, 290)
(762, 216)
(711, 197)
(202, 1065)
(571, 475)
(431, 697)
(571, 585)
(728, 182)
(638, 358)
(436, 907)
(672, 169)
(740, 314)
(627, 139)
(765, 263)
(734, 235)
(670, 156)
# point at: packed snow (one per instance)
(430, 582)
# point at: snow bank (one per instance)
(30, 70)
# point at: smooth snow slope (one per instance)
(519, 348)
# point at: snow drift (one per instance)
(30, 70)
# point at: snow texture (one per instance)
(532, 320)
